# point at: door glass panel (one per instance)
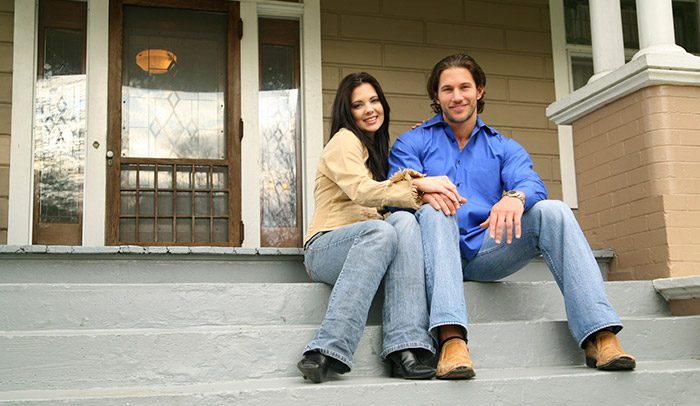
(174, 76)
(280, 119)
(59, 124)
(174, 73)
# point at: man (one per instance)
(506, 222)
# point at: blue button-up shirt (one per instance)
(489, 164)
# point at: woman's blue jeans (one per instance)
(355, 259)
(549, 229)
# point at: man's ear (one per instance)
(479, 92)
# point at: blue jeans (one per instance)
(354, 259)
(549, 229)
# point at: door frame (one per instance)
(232, 119)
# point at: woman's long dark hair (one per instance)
(341, 117)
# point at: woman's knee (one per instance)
(379, 233)
(403, 221)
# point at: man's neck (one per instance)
(463, 131)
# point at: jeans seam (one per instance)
(338, 356)
(411, 345)
(596, 328)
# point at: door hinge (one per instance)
(240, 129)
(240, 28)
(242, 231)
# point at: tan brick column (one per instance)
(638, 178)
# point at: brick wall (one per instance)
(6, 33)
(638, 175)
(399, 41)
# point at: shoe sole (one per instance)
(462, 372)
(430, 375)
(619, 364)
(313, 373)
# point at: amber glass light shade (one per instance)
(156, 61)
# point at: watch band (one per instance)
(516, 194)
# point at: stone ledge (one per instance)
(139, 250)
(601, 255)
(685, 287)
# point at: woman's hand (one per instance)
(447, 198)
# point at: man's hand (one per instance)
(508, 211)
(442, 202)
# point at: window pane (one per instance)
(277, 67)
(60, 121)
(578, 22)
(165, 230)
(147, 204)
(630, 34)
(174, 74)
(220, 232)
(184, 203)
(279, 121)
(62, 52)
(202, 230)
(165, 177)
(127, 230)
(184, 229)
(127, 205)
(165, 204)
(685, 24)
(146, 232)
(581, 70)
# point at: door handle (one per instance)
(109, 156)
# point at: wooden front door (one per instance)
(174, 127)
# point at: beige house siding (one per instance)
(638, 175)
(6, 34)
(399, 41)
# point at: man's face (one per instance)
(457, 94)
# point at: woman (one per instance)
(350, 247)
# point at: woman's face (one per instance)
(366, 108)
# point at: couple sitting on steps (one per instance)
(453, 201)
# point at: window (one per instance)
(60, 123)
(280, 132)
(578, 34)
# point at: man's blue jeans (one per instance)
(354, 259)
(549, 228)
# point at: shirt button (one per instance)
(459, 162)
(459, 184)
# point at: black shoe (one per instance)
(315, 366)
(405, 364)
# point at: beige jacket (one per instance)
(345, 192)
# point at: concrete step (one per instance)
(80, 359)
(174, 305)
(134, 264)
(652, 383)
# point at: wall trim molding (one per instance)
(645, 71)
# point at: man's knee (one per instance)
(553, 209)
(428, 213)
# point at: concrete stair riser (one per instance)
(123, 306)
(41, 264)
(653, 383)
(83, 359)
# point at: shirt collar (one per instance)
(480, 125)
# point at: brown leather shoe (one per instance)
(605, 352)
(454, 362)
